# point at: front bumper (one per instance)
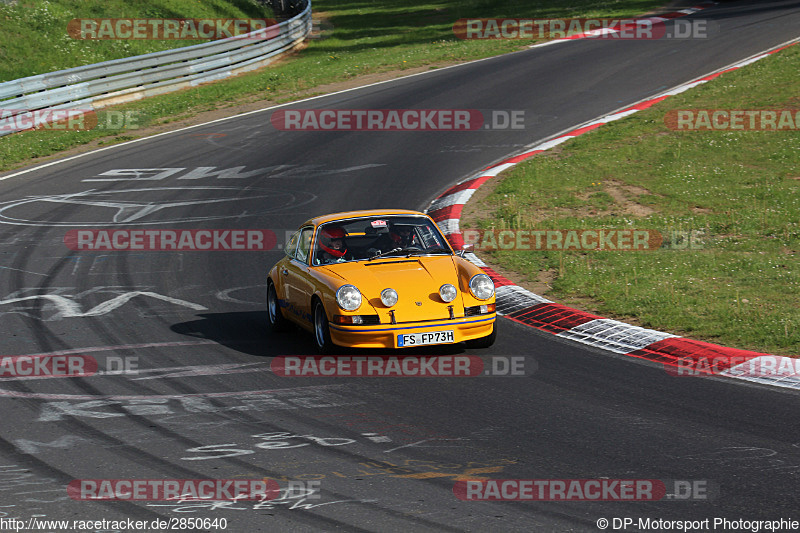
(385, 335)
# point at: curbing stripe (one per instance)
(552, 317)
(513, 298)
(525, 307)
(459, 198)
(790, 380)
(680, 351)
(614, 336)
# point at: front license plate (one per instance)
(421, 339)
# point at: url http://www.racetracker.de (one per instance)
(708, 524)
(158, 524)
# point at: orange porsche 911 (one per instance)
(380, 279)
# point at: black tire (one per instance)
(483, 342)
(322, 331)
(275, 319)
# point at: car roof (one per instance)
(355, 214)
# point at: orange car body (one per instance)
(419, 316)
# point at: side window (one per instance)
(291, 247)
(429, 239)
(304, 244)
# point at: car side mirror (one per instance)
(466, 248)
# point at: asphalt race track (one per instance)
(202, 402)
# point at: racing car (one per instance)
(379, 279)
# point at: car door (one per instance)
(280, 283)
(297, 281)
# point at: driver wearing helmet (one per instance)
(332, 248)
(399, 236)
(402, 236)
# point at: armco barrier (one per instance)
(111, 82)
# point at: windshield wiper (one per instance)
(411, 251)
(430, 251)
(395, 251)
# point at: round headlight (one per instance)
(481, 286)
(448, 292)
(389, 297)
(348, 298)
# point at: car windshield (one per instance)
(368, 238)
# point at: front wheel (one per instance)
(275, 319)
(483, 342)
(322, 332)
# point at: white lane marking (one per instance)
(177, 396)
(91, 349)
(194, 370)
(130, 211)
(68, 308)
(20, 270)
(311, 397)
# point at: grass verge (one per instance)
(736, 193)
(361, 39)
(26, 25)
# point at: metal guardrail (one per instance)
(110, 82)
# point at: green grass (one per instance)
(34, 39)
(738, 192)
(363, 38)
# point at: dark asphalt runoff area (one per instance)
(185, 389)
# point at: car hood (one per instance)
(416, 280)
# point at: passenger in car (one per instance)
(332, 246)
